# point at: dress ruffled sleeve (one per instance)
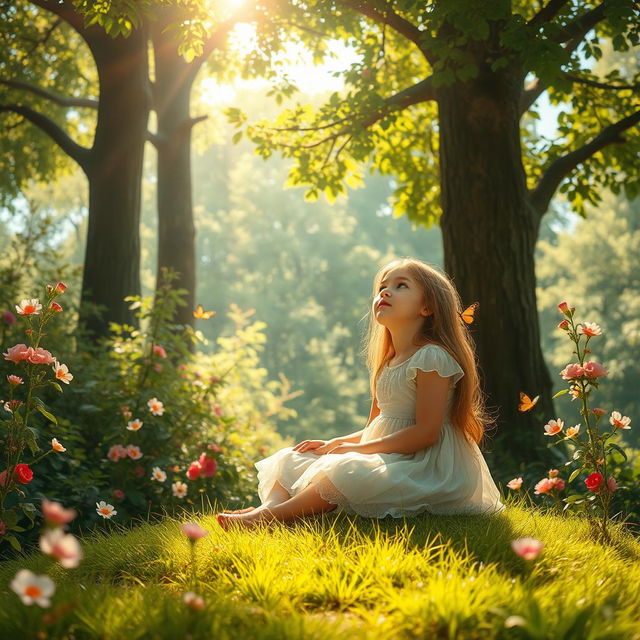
(434, 358)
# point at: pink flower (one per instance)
(61, 287)
(55, 513)
(594, 481)
(116, 452)
(42, 356)
(193, 531)
(217, 409)
(159, 351)
(553, 426)
(8, 318)
(63, 546)
(527, 548)
(15, 380)
(619, 421)
(594, 370)
(54, 306)
(134, 452)
(544, 486)
(29, 307)
(207, 465)
(56, 446)
(564, 307)
(558, 483)
(598, 411)
(612, 485)
(118, 493)
(563, 325)
(572, 371)
(516, 483)
(193, 472)
(18, 352)
(157, 367)
(214, 447)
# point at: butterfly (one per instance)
(526, 403)
(467, 314)
(201, 313)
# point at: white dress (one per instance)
(450, 477)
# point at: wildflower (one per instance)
(116, 452)
(572, 431)
(61, 287)
(33, 588)
(12, 405)
(18, 352)
(572, 371)
(590, 329)
(23, 473)
(217, 409)
(620, 421)
(193, 601)
(544, 486)
(134, 452)
(55, 513)
(612, 485)
(552, 473)
(56, 446)
(558, 483)
(54, 306)
(105, 510)
(42, 356)
(156, 407)
(118, 494)
(63, 546)
(214, 447)
(563, 325)
(8, 318)
(193, 531)
(134, 425)
(62, 372)
(28, 307)
(594, 481)
(159, 351)
(527, 548)
(193, 472)
(564, 307)
(553, 426)
(516, 483)
(158, 474)
(594, 370)
(15, 380)
(598, 411)
(179, 489)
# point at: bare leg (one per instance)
(307, 502)
(277, 495)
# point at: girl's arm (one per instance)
(407, 440)
(356, 435)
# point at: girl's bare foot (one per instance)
(247, 520)
(239, 510)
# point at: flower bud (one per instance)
(61, 287)
(55, 307)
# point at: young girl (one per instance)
(419, 450)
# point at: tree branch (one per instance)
(395, 21)
(56, 23)
(548, 12)
(82, 155)
(602, 85)
(65, 11)
(541, 195)
(577, 30)
(89, 103)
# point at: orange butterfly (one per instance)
(526, 403)
(201, 313)
(467, 314)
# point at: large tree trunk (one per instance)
(176, 232)
(489, 237)
(112, 258)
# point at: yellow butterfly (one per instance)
(526, 403)
(468, 314)
(201, 313)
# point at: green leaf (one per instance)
(619, 449)
(560, 393)
(55, 385)
(574, 498)
(45, 412)
(574, 474)
(13, 541)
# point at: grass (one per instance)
(335, 576)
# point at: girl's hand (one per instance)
(345, 447)
(317, 446)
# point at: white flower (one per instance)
(620, 421)
(134, 425)
(192, 600)
(179, 489)
(105, 510)
(63, 546)
(158, 474)
(32, 588)
(62, 372)
(56, 446)
(28, 307)
(156, 407)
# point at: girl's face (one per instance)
(398, 298)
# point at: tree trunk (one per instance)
(112, 258)
(489, 237)
(176, 231)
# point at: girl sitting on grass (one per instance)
(419, 450)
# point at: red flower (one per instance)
(56, 307)
(193, 472)
(23, 473)
(61, 287)
(594, 481)
(118, 493)
(8, 318)
(207, 465)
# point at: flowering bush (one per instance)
(594, 454)
(35, 369)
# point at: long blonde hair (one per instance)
(444, 327)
